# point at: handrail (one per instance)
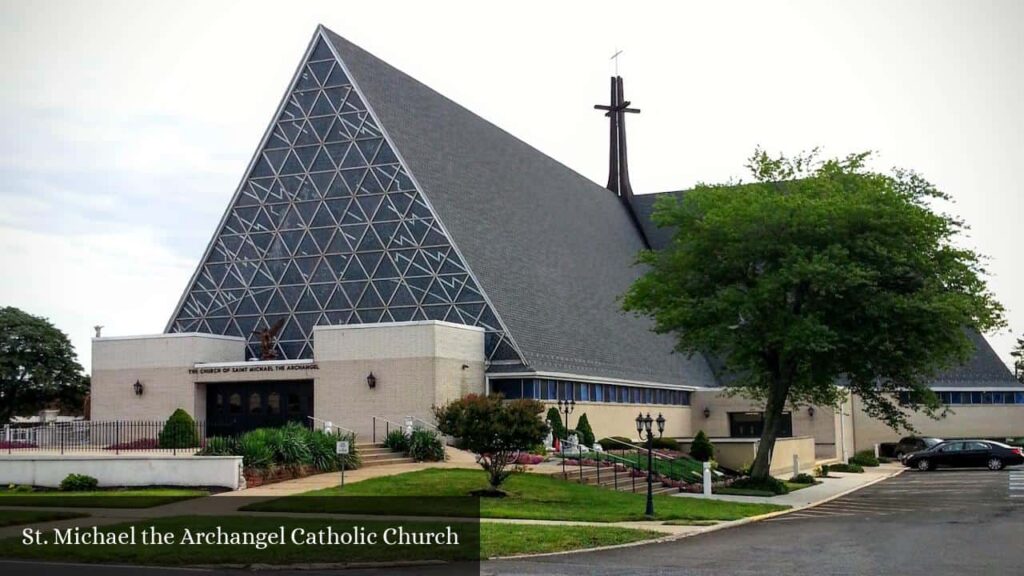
(422, 421)
(644, 448)
(387, 426)
(333, 425)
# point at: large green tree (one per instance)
(38, 365)
(818, 273)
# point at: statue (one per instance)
(268, 340)
(98, 329)
(549, 440)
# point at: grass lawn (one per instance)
(682, 468)
(127, 498)
(793, 487)
(494, 540)
(16, 517)
(531, 496)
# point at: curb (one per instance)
(715, 528)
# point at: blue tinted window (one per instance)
(1019, 397)
(584, 392)
(598, 393)
(510, 389)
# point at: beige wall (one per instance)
(985, 421)
(738, 453)
(620, 419)
(417, 365)
(161, 363)
(826, 426)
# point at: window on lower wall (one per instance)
(547, 389)
(751, 425)
(970, 397)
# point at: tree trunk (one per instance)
(772, 422)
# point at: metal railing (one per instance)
(115, 436)
(388, 426)
(632, 457)
(329, 426)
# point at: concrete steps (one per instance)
(380, 455)
(608, 478)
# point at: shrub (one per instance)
(254, 448)
(292, 446)
(865, 458)
(608, 444)
(702, 449)
(823, 471)
(397, 441)
(539, 450)
(583, 430)
(179, 431)
(78, 483)
(496, 430)
(855, 468)
(802, 478)
(769, 484)
(554, 420)
(220, 446)
(425, 445)
(665, 444)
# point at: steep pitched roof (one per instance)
(983, 370)
(552, 250)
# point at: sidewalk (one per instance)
(834, 486)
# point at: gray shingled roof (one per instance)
(983, 370)
(552, 250)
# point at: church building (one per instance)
(387, 250)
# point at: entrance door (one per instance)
(235, 407)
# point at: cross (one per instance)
(616, 58)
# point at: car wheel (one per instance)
(924, 465)
(995, 464)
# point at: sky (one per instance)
(128, 125)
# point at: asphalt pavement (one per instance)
(959, 522)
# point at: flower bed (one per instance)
(16, 444)
(140, 444)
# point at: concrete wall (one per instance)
(417, 365)
(738, 453)
(985, 421)
(114, 471)
(620, 419)
(828, 427)
(161, 363)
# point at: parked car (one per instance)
(965, 454)
(912, 444)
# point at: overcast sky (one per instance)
(128, 125)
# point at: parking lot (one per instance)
(913, 492)
(953, 521)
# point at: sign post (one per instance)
(341, 448)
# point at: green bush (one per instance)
(702, 449)
(554, 420)
(665, 444)
(179, 431)
(854, 468)
(539, 450)
(292, 446)
(802, 478)
(397, 441)
(585, 433)
(608, 444)
(426, 445)
(769, 484)
(865, 458)
(78, 483)
(823, 471)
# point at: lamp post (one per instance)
(565, 407)
(643, 428)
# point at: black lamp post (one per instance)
(643, 429)
(565, 407)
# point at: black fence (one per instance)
(115, 437)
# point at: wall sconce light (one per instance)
(810, 411)
(371, 380)
(707, 412)
(465, 366)
(138, 388)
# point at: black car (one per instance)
(965, 454)
(912, 444)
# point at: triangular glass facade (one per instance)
(329, 228)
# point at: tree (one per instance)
(38, 365)
(1018, 359)
(554, 420)
(179, 431)
(817, 273)
(585, 432)
(701, 448)
(498, 431)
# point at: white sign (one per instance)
(341, 447)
